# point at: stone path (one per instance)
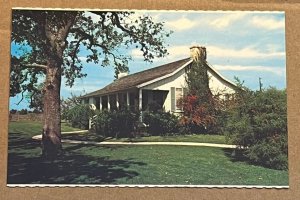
(39, 137)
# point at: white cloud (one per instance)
(226, 20)
(276, 70)
(181, 24)
(267, 23)
(175, 52)
(183, 51)
(82, 58)
(247, 52)
(85, 86)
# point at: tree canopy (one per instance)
(53, 41)
(101, 33)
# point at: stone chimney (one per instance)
(198, 53)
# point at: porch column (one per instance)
(117, 100)
(140, 99)
(100, 106)
(108, 103)
(92, 100)
(127, 99)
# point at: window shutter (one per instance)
(173, 106)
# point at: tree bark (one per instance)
(51, 138)
(56, 32)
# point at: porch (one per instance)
(134, 99)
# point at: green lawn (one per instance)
(87, 164)
(34, 128)
(218, 139)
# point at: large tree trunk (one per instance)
(51, 138)
(56, 31)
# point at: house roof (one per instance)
(133, 80)
(144, 77)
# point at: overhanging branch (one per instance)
(36, 66)
(22, 97)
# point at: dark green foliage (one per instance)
(36, 97)
(13, 111)
(23, 112)
(53, 41)
(79, 116)
(200, 106)
(198, 81)
(161, 123)
(102, 40)
(70, 102)
(101, 123)
(258, 123)
(117, 124)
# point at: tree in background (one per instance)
(52, 41)
(35, 97)
(78, 116)
(70, 102)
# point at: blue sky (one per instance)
(249, 45)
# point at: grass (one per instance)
(34, 128)
(218, 139)
(167, 165)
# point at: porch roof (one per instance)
(133, 80)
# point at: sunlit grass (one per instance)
(166, 165)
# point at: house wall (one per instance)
(92, 100)
(178, 80)
(216, 84)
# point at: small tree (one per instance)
(199, 105)
(79, 116)
(69, 103)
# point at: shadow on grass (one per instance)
(235, 155)
(26, 166)
(93, 137)
(238, 155)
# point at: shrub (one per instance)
(23, 112)
(258, 123)
(13, 111)
(161, 123)
(115, 123)
(198, 116)
(78, 116)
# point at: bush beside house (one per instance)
(115, 123)
(161, 123)
(78, 116)
(258, 123)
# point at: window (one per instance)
(176, 95)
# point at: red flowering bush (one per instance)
(197, 116)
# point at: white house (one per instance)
(163, 85)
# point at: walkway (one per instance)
(39, 137)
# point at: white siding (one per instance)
(216, 85)
(178, 80)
